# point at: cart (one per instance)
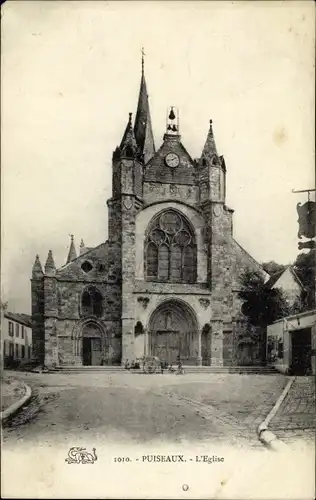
(151, 364)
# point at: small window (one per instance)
(16, 351)
(10, 329)
(22, 332)
(22, 351)
(17, 330)
(91, 302)
(11, 349)
(30, 351)
(86, 266)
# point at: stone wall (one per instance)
(156, 192)
(38, 329)
(157, 171)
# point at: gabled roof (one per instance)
(276, 276)
(23, 319)
(259, 266)
(96, 256)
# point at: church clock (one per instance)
(172, 160)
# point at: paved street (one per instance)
(134, 415)
(141, 408)
(295, 422)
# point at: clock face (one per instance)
(172, 160)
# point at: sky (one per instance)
(70, 76)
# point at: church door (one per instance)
(91, 345)
(86, 351)
(173, 333)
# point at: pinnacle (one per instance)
(72, 254)
(37, 269)
(210, 150)
(50, 264)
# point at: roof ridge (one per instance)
(83, 255)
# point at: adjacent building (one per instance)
(288, 281)
(164, 282)
(16, 337)
(291, 344)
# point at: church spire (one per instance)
(142, 127)
(37, 270)
(209, 151)
(72, 254)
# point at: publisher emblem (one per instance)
(78, 455)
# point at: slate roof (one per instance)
(276, 276)
(23, 319)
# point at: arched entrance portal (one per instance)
(92, 347)
(173, 332)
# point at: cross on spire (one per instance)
(143, 54)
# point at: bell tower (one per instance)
(129, 159)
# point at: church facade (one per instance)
(165, 282)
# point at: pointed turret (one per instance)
(82, 247)
(128, 147)
(50, 268)
(142, 127)
(72, 254)
(37, 270)
(209, 151)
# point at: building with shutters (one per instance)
(164, 282)
(16, 338)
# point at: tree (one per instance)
(272, 267)
(305, 268)
(261, 305)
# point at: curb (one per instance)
(267, 437)
(9, 412)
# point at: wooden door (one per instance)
(165, 345)
(86, 351)
(96, 352)
(169, 345)
(301, 352)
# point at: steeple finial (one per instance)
(142, 127)
(143, 61)
(72, 254)
(50, 268)
(37, 270)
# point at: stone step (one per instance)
(188, 369)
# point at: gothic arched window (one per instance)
(91, 302)
(170, 249)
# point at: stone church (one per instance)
(165, 281)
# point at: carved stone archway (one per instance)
(173, 331)
(91, 344)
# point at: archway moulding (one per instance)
(174, 302)
(79, 326)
